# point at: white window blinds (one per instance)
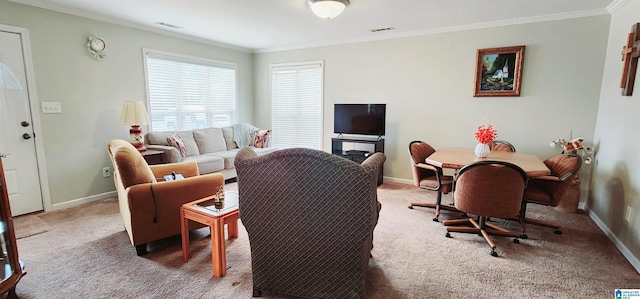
(296, 105)
(188, 93)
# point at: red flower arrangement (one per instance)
(486, 134)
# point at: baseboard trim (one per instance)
(397, 180)
(623, 249)
(79, 201)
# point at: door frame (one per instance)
(33, 109)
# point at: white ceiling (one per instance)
(268, 25)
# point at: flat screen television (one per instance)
(359, 119)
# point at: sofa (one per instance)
(310, 217)
(213, 149)
(150, 206)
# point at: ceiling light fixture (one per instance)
(327, 9)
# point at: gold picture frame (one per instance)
(499, 72)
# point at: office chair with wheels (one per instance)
(428, 177)
(550, 190)
(487, 189)
(501, 146)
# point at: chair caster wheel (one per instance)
(494, 253)
(435, 219)
(558, 232)
(410, 207)
(448, 235)
(524, 236)
(516, 241)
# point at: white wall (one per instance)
(427, 84)
(616, 173)
(91, 92)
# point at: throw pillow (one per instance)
(261, 138)
(176, 141)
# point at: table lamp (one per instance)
(135, 114)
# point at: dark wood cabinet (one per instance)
(11, 268)
(374, 146)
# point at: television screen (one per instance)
(360, 119)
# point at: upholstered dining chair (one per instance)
(150, 207)
(501, 146)
(310, 217)
(428, 177)
(550, 190)
(487, 189)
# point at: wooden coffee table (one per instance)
(206, 212)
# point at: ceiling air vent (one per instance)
(169, 25)
(381, 29)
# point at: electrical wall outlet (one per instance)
(106, 172)
(627, 214)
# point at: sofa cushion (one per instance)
(260, 138)
(207, 163)
(175, 141)
(228, 157)
(157, 138)
(210, 140)
(160, 138)
(189, 143)
(266, 150)
(227, 132)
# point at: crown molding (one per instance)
(616, 5)
(390, 35)
(128, 24)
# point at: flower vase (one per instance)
(482, 150)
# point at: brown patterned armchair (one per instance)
(150, 210)
(310, 217)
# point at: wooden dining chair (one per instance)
(550, 190)
(487, 189)
(428, 177)
(501, 146)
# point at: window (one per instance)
(296, 105)
(188, 93)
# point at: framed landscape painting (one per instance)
(499, 72)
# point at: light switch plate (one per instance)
(51, 107)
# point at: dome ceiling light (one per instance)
(327, 9)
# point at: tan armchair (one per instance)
(310, 217)
(149, 206)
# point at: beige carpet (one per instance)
(29, 225)
(87, 254)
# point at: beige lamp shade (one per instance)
(134, 113)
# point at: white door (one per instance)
(17, 146)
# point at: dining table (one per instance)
(456, 158)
